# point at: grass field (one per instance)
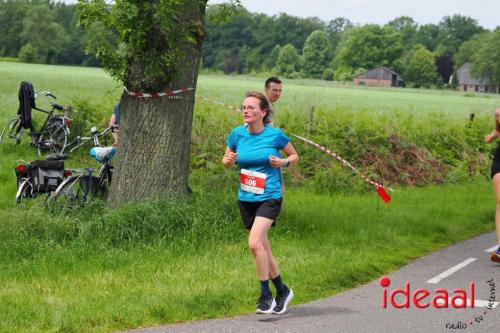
(165, 261)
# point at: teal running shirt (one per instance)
(259, 180)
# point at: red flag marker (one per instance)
(383, 194)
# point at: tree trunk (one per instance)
(155, 133)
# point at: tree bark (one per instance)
(155, 133)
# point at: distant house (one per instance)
(467, 82)
(380, 76)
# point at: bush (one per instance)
(344, 73)
(328, 74)
(28, 53)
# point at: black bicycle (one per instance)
(39, 177)
(52, 136)
(75, 190)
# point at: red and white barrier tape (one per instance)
(158, 94)
(231, 107)
(378, 187)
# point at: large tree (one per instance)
(453, 31)
(368, 46)
(316, 54)
(288, 62)
(427, 36)
(11, 25)
(420, 67)
(40, 30)
(445, 67)
(486, 59)
(335, 29)
(407, 29)
(158, 49)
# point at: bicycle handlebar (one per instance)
(80, 140)
(45, 93)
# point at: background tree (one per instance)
(290, 29)
(233, 63)
(335, 30)
(427, 35)
(12, 13)
(288, 62)
(445, 67)
(453, 31)
(420, 67)
(486, 59)
(159, 49)
(407, 29)
(46, 36)
(272, 59)
(368, 46)
(316, 54)
(468, 48)
(225, 36)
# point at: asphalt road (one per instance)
(360, 309)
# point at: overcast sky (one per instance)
(486, 12)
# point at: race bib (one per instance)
(253, 181)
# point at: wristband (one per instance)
(287, 162)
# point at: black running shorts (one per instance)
(495, 166)
(269, 209)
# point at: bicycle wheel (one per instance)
(10, 131)
(24, 191)
(53, 140)
(72, 193)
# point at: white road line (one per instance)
(491, 249)
(450, 271)
(478, 303)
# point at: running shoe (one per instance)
(282, 301)
(265, 304)
(495, 256)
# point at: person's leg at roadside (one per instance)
(256, 242)
(283, 294)
(495, 256)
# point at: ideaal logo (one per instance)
(440, 299)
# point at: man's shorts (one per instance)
(269, 209)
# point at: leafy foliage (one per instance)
(288, 61)
(146, 34)
(485, 59)
(369, 46)
(444, 66)
(316, 54)
(454, 30)
(421, 67)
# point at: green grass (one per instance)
(105, 271)
(165, 261)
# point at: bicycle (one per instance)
(39, 177)
(74, 191)
(53, 134)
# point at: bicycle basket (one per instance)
(103, 154)
(47, 175)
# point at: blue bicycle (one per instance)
(76, 189)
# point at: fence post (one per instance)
(310, 120)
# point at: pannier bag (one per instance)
(47, 175)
